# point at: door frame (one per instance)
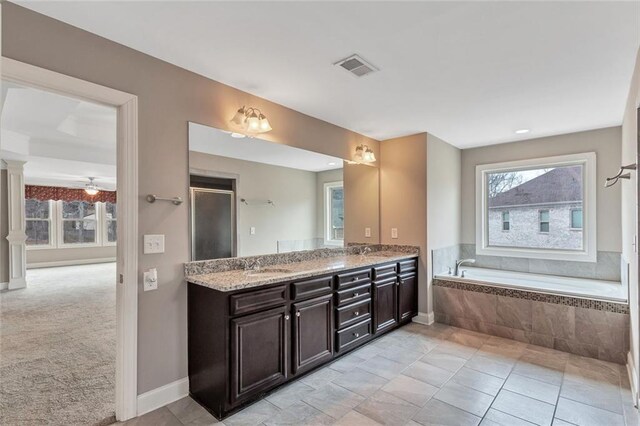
(127, 188)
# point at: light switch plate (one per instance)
(367, 232)
(252, 230)
(153, 244)
(394, 232)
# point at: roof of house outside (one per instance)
(560, 185)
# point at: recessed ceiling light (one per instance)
(332, 163)
(522, 131)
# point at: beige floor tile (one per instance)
(586, 415)
(479, 381)
(532, 388)
(387, 409)
(361, 382)
(410, 389)
(444, 360)
(289, 394)
(489, 365)
(495, 417)
(428, 373)
(464, 398)
(334, 400)
(538, 372)
(160, 417)
(383, 367)
(253, 415)
(353, 418)
(321, 377)
(300, 414)
(190, 412)
(439, 413)
(523, 407)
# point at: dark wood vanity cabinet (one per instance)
(244, 343)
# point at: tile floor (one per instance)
(427, 375)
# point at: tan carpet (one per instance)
(57, 347)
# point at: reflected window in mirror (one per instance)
(334, 213)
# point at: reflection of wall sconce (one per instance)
(251, 120)
(364, 154)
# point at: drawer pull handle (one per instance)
(286, 317)
(356, 313)
(297, 314)
(355, 279)
(356, 294)
(356, 334)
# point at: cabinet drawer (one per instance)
(311, 288)
(352, 278)
(405, 266)
(353, 313)
(352, 336)
(384, 271)
(256, 300)
(353, 294)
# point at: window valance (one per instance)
(44, 193)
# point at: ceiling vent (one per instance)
(357, 66)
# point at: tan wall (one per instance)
(630, 136)
(403, 199)
(292, 191)
(4, 229)
(322, 178)
(604, 142)
(69, 255)
(169, 97)
(444, 199)
(361, 203)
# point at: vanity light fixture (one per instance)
(364, 154)
(91, 188)
(250, 120)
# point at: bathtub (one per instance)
(584, 288)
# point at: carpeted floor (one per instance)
(58, 347)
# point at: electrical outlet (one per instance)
(252, 230)
(394, 232)
(151, 279)
(367, 232)
(153, 244)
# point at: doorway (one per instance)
(125, 278)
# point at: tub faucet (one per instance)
(460, 263)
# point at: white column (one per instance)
(17, 236)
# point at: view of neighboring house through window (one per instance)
(541, 207)
(38, 215)
(334, 213)
(111, 221)
(79, 222)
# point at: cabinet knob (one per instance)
(356, 279)
(356, 313)
(297, 314)
(356, 294)
(286, 317)
(356, 334)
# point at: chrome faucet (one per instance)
(460, 263)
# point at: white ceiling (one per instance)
(63, 140)
(214, 141)
(470, 73)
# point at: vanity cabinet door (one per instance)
(385, 296)
(407, 297)
(312, 333)
(258, 352)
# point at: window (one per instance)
(543, 221)
(505, 221)
(110, 222)
(576, 219)
(541, 203)
(334, 213)
(38, 216)
(79, 222)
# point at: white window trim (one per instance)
(327, 213)
(589, 251)
(52, 230)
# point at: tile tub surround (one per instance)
(229, 274)
(606, 268)
(589, 328)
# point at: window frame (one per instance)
(52, 229)
(62, 220)
(104, 223)
(328, 186)
(540, 221)
(589, 236)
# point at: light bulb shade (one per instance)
(369, 156)
(91, 191)
(238, 118)
(265, 126)
(359, 156)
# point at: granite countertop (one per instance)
(238, 279)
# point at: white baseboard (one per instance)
(631, 370)
(159, 397)
(4, 286)
(424, 318)
(70, 262)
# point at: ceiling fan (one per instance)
(90, 188)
